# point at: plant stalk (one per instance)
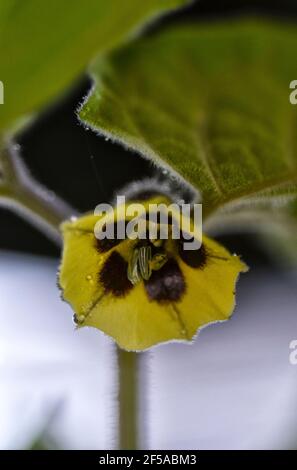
(22, 194)
(128, 400)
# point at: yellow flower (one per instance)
(145, 291)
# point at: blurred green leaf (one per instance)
(44, 46)
(212, 103)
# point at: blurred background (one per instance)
(234, 388)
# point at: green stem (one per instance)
(22, 194)
(128, 400)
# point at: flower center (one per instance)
(146, 257)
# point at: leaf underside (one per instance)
(212, 103)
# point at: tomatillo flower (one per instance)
(146, 290)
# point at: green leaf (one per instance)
(212, 103)
(44, 46)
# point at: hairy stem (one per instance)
(128, 400)
(21, 193)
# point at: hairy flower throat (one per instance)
(142, 262)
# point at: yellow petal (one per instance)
(210, 293)
(134, 320)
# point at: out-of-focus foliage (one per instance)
(44, 46)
